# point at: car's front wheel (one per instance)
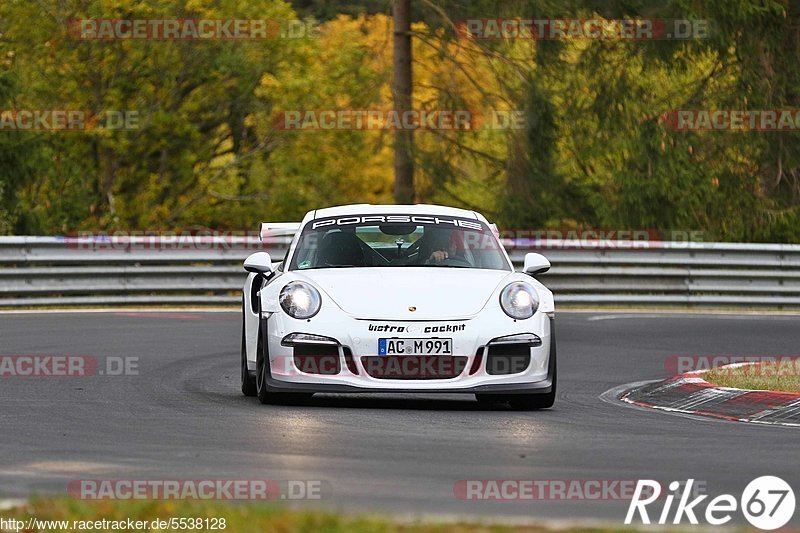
(266, 396)
(262, 361)
(248, 381)
(527, 402)
(530, 402)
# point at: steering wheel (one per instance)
(454, 261)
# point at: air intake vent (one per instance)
(505, 359)
(317, 359)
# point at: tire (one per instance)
(265, 396)
(526, 402)
(248, 381)
(262, 362)
(533, 402)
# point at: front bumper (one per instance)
(357, 341)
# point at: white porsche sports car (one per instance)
(397, 298)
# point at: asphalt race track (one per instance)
(183, 417)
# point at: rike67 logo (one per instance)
(767, 502)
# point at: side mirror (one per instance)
(535, 264)
(258, 263)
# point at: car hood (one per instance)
(436, 293)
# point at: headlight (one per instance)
(519, 300)
(300, 300)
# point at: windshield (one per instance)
(397, 241)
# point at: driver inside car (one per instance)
(445, 244)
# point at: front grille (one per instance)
(505, 359)
(317, 359)
(420, 367)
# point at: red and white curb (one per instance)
(691, 394)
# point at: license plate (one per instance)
(415, 346)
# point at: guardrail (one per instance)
(60, 271)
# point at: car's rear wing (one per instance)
(270, 230)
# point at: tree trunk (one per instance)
(404, 138)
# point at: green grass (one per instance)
(784, 376)
(251, 518)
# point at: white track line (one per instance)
(7, 505)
